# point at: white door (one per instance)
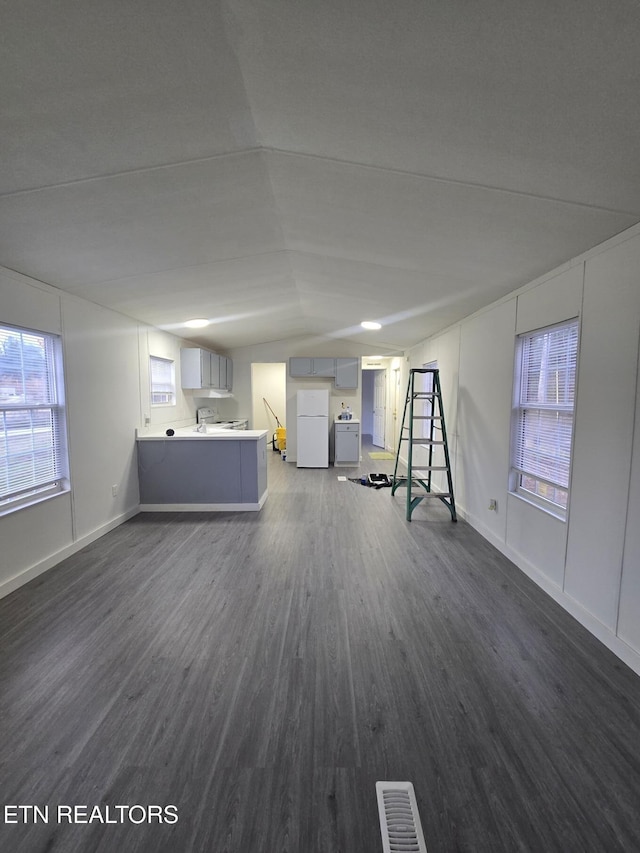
(379, 406)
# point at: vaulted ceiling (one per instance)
(291, 167)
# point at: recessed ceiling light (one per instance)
(370, 324)
(196, 324)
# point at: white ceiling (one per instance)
(289, 168)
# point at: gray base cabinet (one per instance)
(346, 443)
(187, 472)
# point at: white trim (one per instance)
(554, 510)
(46, 493)
(229, 507)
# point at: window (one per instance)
(545, 383)
(163, 381)
(33, 449)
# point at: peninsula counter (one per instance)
(216, 471)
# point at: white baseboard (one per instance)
(228, 507)
(23, 577)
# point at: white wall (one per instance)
(538, 538)
(97, 386)
(606, 408)
(483, 418)
(591, 562)
(103, 406)
(106, 365)
(153, 342)
(629, 615)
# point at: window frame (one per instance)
(52, 454)
(172, 392)
(564, 413)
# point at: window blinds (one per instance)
(162, 380)
(546, 397)
(32, 446)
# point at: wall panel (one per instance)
(103, 399)
(629, 615)
(604, 430)
(484, 415)
(550, 302)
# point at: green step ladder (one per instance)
(417, 479)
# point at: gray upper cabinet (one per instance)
(312, 367)
(300, 367)
(216, 362)
(324, 366)
(200, 368)
(229, 381)
(195, 368)
(347, 373)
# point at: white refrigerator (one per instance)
(313, 429)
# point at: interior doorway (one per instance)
(379, 407)
(374, 405)
(268, 382)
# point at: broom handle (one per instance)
(271, 410)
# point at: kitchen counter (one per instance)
(214, 471)
(212, 431)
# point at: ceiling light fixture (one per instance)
(196, 324)
(370, 324)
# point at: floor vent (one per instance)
(399, 819)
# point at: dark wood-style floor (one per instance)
(262, 671)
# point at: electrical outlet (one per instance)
(114, 490)
(493, 504)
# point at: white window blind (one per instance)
(33, 455)
(543, 422)
(163, 383)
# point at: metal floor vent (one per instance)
(399, 819)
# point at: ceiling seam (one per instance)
(455, 181)
(262, 149)
(218, 262)
(127, 172)
(279, 218)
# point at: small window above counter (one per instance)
(344, 371)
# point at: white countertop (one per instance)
(347, 421)
(213, 432)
